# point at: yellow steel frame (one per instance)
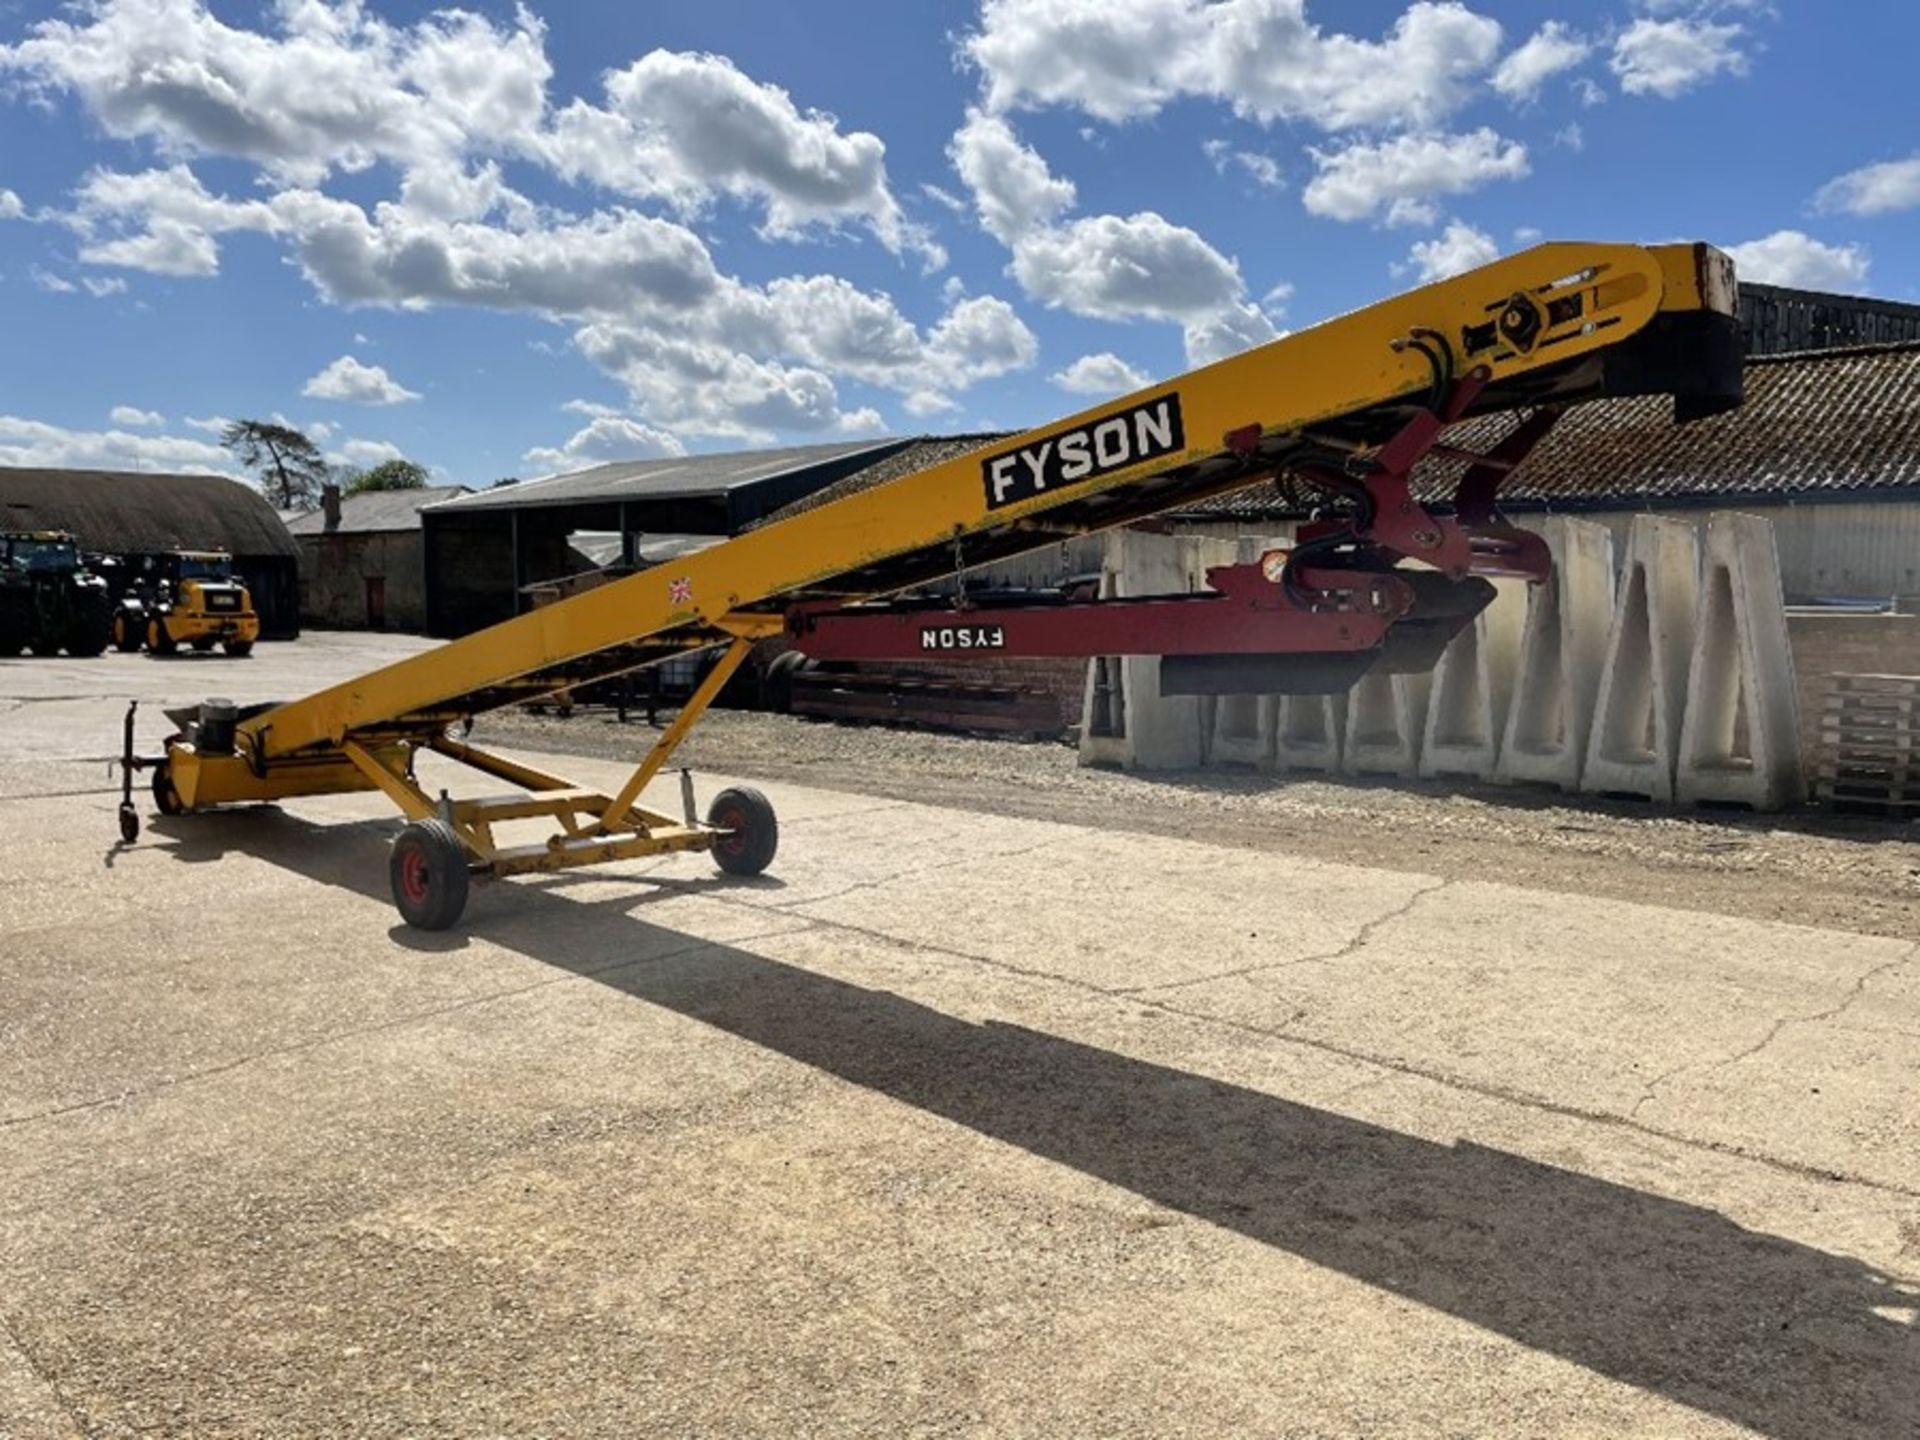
(593, 827)
(361, 734)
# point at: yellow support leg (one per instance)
(412, 800)
(619, 812)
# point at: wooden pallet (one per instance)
(1870, 744)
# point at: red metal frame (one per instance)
(1273, 607)
(1248, 612)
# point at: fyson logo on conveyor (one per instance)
(963, 637)
(1113, 442)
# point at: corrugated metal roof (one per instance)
(1824, 424)
(127, 513)
(672, 477)
(918, 454)
(377, 510)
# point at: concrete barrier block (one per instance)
(1472, 689)
(1125, 720)
(1308, 731)
(1740, 741)
(1563, 649)
(1386, 718)
(1240, 728)
(1634, 748)
(1103, 705)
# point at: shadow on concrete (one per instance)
(1671, 1298)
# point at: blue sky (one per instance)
(507, 240)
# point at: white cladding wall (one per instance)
(1848, 550)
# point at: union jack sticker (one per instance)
(680, 592)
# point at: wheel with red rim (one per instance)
(428, 872)
(749, 833)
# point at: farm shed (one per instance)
(484, 549)
(131, 513)
(363, 558)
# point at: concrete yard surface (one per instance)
(952, 1124)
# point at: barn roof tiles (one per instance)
(377, 510)
(1819, 425)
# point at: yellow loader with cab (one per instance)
(186, 597)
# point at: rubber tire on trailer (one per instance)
(129, 823)
(166, 799)
(45, 649)
(203, 644)
(158, 640)
(428, 873)
(239, 649)
(776, 686)
(753, 832)
(126, 639)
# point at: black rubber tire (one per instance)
(753, 831)
(239, 649)
(428, 873)
(203, 644)
(158, 640)
(776, 686)
(166, 799)
(126, 637)
(129, 823)
(87, 639)
(45, 649)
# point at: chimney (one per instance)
(330, 505)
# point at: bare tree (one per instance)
(288, 465)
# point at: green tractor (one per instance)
(49, 600)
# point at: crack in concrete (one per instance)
(1352, 947)
(1854, 993)
(1442, 1078)
(397, 1022)
(793, 907)
(1388, 1064)
(47, 1382)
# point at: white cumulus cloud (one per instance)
(1670, 57)
(430, 117)
(133, 415)
(322, 89)
(606, 438)
(1398, 178)
(1109, 267)
(1882, 189)
(364, 453)
(1553, 48)
(1101, 374)
(347, 379)
(35, 444)
(1455, 250)
(1121, 59)
(1796, 259)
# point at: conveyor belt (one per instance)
(1349, 404)
(1630, 320)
